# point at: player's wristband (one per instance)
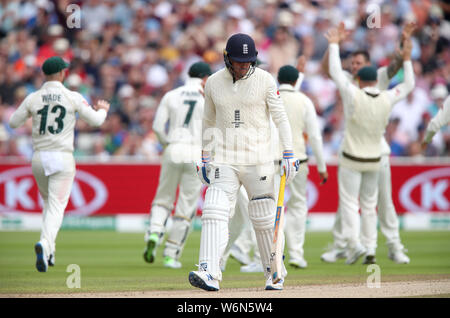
(206, 157)
(288, 154)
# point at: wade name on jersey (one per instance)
(47, 98)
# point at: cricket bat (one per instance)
(276, 250)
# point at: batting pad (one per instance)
(262, 215)
(214, 236)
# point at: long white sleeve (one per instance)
(279, 116)
(441, 119)
(403, 89)
(299, 82)
(93, 117)
(160, 120)
(21, 114)
(314, 134)
(346, 88)
(209, 117)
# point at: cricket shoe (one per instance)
(354, 254)
(41, 258)
(253, 267)
(369, 258)
(171, 263)
(332, 255)
(298, 262)
(399, 257)
(240, 256)
(150, 250)
(271, 286)
(202, 279)
(51, 260)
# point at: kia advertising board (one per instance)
(110, 189)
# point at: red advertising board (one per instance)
(107, 189)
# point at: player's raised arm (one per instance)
(403, 89)
(346, 88)
(386, 73)
(342, 33)
(301, 64)
(397, 63)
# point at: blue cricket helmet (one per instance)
(241, 48)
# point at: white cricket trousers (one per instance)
(55, 192)
(220, 200)
(296, 213)
(387, 216)
(358, 190)
(174, 176)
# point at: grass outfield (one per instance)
(111, 261)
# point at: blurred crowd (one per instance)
(132, 52)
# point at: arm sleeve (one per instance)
(87, 113)
(21, 114)
(403, 89)
(383, 78)
(441, 119)
(299, 82)
(314, 134)
(160, 120)
(209, 114)
(278, 113)
(346, 88)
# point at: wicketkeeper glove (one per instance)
(290, 165)
(204, 168)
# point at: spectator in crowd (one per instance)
(149, 46)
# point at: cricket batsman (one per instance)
(237, 151)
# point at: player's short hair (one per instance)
(363, 53)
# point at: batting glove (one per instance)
(203, 169)
(289, 165)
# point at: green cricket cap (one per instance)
(367, 73)
(287, 74)
(53, 65)
(200, 70)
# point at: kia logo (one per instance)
(432, 186)
(16, 185)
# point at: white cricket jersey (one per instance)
(178, 120)
(303, 119)
(382, 84)
(355, 99)
(441, 119)
(236, 120)
(53, 110)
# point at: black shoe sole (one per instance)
(199, 283)
(40, 259)
(369, 259)
(151, 245)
